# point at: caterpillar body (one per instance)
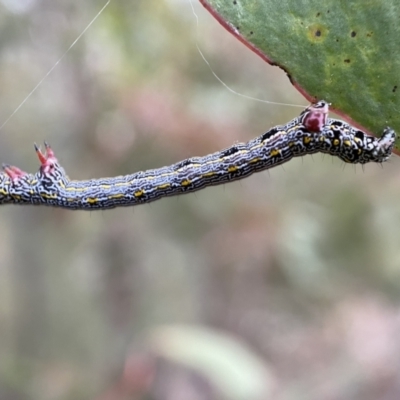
(309, 133)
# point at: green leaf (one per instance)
(345, 52)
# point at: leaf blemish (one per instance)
(353, 33)
(317, 32)
(394, 88)
(347, 60)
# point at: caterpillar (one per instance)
(312, 131)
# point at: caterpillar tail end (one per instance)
(46, 159)
(42, 157)
(14, 173)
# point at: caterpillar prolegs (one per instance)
(309, 133)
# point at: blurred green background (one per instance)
(281, 286)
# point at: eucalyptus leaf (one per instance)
(345, 52)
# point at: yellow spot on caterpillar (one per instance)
(232, 168)
(115, 196)
(291, 144)
(208, 174)
(357, 140)
(336, 142)
(75, 189)
(48, 196)
(105, 186)
(347, 143)
(139, 193)
(214, 161)
(275, 153)
(92, 200)
(256, 146)
(254, 160)
(186, 182)
(164, 186)
(17, 196)
(4, 192)
(322, 138)
(306, 139)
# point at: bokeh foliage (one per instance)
(290, 276)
